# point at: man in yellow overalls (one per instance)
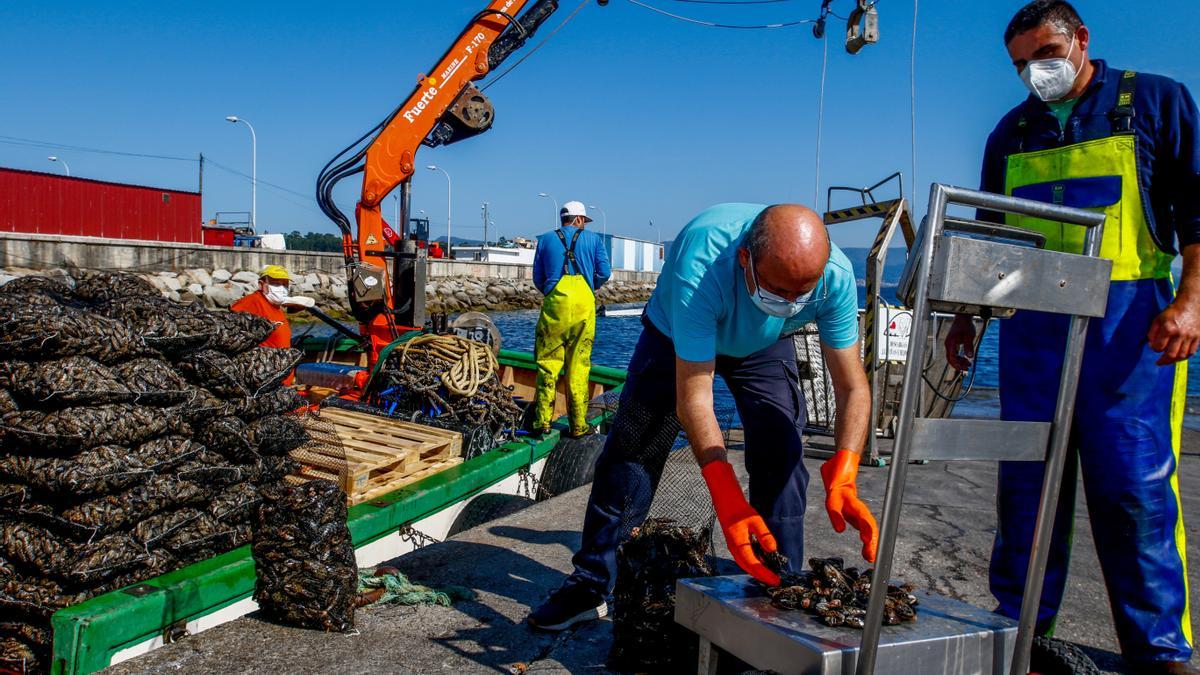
(1125, 143)
(570, 264)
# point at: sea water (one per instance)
(616, 337)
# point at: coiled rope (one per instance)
(471, 363)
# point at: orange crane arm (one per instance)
(443, 108)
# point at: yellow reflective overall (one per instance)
(1128, 413)
(565, 332)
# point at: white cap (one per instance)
(572, 209)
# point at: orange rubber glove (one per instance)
(843, 504)
(739, 520)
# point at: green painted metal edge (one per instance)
(87, 635)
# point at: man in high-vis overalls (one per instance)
(1096, 137)
(570, 264)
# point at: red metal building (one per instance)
(41, 203)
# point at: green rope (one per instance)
(398, 590)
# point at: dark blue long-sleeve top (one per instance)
(590, 255)
(1168, 137)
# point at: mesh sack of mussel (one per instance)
(450, 382)
(645, 636)
(136, 436)
(303, 557)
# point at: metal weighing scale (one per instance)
(961, 266)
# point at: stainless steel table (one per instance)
(732, 613)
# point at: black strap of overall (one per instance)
(569, 260)
(1121, 116)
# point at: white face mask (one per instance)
(277, 294)
(1051, 79)
(775, 305)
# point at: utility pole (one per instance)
(201, 188)
(485, 224)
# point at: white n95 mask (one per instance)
(1051, 79)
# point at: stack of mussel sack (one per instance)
(136, 437)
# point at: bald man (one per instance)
(739, 278)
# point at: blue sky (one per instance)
(648, 117)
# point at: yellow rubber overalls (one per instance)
(565, 332)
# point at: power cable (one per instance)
(820, 118)
(303, 204)
(713, 24)
(912, 96)
(733, 2)
(260, 181)
(536, 47)
(13, 140)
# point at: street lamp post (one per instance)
(551, 197)
(657, 231)
(484, 208)
(604, 222)
(234, 119)
(449, 246)
(54, 158)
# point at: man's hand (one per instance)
(739, 521)
(842, 502)
(961, 336)
(1175, 333)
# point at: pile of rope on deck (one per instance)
(450, 381)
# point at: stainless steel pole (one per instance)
(1064, 411)
(897, 472)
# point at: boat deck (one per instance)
(514, 562)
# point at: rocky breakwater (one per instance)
(463, 293)
(218, 289)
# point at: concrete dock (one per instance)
(514, 562)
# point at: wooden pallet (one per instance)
(369, 456)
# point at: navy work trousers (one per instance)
(765, 387)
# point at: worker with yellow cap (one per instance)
(269, 301)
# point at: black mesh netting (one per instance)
(73, 429)
(108, 468)
(645, 635)
(239, 331)
(74, 380)
(304, 559)
(99, 287)
(136, 436)
(670, 540)
(47, 331)
(274, 402)
(248, 374)
(152, 382)
(450, 382)
(168, 327)
(38, 288)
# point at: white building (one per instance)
(495, 254)
(635, 255)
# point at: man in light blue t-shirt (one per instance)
(738, 279)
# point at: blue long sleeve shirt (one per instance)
(1167, 126)
(590, 257)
